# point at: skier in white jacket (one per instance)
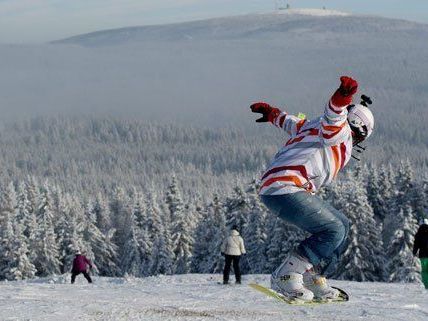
(232, 248)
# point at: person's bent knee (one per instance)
(338, 232)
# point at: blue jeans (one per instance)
(328, 226)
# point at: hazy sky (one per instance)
(29, 21)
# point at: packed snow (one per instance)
(198, 297)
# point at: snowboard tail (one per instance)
(343, 297)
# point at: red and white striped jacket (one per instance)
(314, 154)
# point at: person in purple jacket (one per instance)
(80, 265)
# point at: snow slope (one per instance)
(198, 297)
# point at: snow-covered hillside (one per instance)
(198, 297)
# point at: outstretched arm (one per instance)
(289, 123)
(335, 113)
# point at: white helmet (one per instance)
(361, 120)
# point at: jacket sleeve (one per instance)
(242, 246)
(289, 123)
(334, 129)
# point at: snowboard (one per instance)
(343, 297)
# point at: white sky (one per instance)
(29, 21)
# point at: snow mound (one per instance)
(197, 297)
(313, 12)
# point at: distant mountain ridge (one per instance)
(245, 26)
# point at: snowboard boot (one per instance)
(319, 286)
(288, 279)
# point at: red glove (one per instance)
(268, 112)
(343, 95)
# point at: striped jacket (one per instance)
(314, 154)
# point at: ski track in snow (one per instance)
(198, 297)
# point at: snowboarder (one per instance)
(311, 158)
(421, 246)
(80, 265)
(232, 249)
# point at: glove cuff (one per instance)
(273, 114)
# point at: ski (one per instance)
(279, 297)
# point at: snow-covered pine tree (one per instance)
(374, 195)
(153, 216)
(209, 235)
(138, 209)
(131, 261)
(69, 230)
(103, 249)
(237, 208)
(162, 258)
(30, 218)
(201, 248)
(46, 259)
(389, 192)
(401, 225)
(146, 250)
(402, 266)
(26, 216)
(421, 199)
(282, 238)
(119, 208)
(14, 261)
(181, 229)
(363, 258)
(101, 211)
(255, 233)
(21, 267)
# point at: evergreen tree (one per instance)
(14, 261)
(388, 199)
(402, 267)
(255, 233)
(161, 261)
(374, 195)
(119, 209)
(47, 254)
(146, 250)
(237, 208)
(28, 203)
(70, 231)
(363, 258)
(282, 239)
(20, 266)
(209, 235)
(102, 247)
(101, 211)
(182, 240)
(132, 258)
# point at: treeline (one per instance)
(128, 231)
(83, 155)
